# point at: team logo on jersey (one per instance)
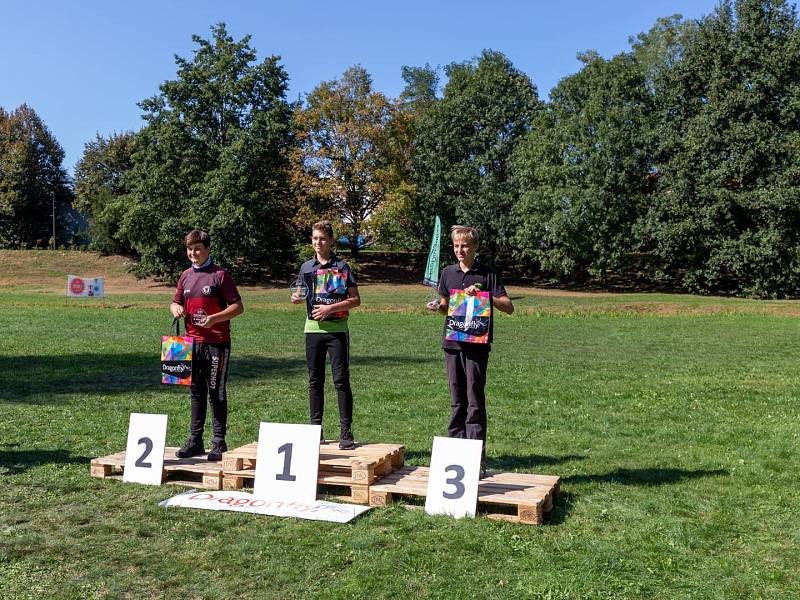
(199, 317)
(206, 290)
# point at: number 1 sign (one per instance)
(287, 462)
(144, 454)
(453, 477)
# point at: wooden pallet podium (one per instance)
(528, 495)
(193, 472)
(370, 473)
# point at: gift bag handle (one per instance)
(176, 323)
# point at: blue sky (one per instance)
(84, 65)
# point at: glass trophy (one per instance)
(299, 289)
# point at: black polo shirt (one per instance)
(453, 278)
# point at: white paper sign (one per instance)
(453, 477)
(80, 287)
(144, 454)
(318, 510)
(287, 462)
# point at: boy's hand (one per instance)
(297, 299)
(320, 311)
(472, 290)
(177, 311)
(206, 320)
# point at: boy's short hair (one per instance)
(461, 231)
(197, 236)
(323, 226)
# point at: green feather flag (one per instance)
(432, 268)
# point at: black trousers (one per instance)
(466, 376)
(209, 376)
(337, 346)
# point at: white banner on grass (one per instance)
(79, 287)
(319, 510)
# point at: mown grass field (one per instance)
(672, 420)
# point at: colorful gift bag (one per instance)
(468, 317)
(327, 286)
(176, 357)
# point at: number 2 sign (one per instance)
(453, 477)
(287, 462)
(144, 454)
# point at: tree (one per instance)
(32, 181)
(726, 211)
(214, 153)
(395, 222)
(463, 146)
(584, 170)
(344, 154)
(100, 193)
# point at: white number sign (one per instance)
(287, 462)
(453, 477)
(144, 454)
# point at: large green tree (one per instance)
(214, 153)
(32, 181)
(100, 191)
(396, 221)
(344, 150)
(726, 213)
(463, 146)
(584, 170)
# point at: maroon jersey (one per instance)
(203, 292)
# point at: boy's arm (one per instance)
(295, 298)
(503, 304)
(232, 298)
(323, 310)
(231, 311)
(177, 310)
(176, 306)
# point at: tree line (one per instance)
(676, 162)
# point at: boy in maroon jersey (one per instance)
(208, 299)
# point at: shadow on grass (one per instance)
(650, 476)
(561, 509)
(511, 462)
(47, 379)
(14, 462)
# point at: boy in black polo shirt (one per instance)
(466, 361)
(332, 292)
(208, 299)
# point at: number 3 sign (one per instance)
(287, 462)
(453, 477)
(144, 454)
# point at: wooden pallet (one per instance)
(192, 472)
(354, 469)
(530, 495)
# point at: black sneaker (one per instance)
(346, 441)
(217, 448)
(190, 449)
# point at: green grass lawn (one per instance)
(672, 421)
